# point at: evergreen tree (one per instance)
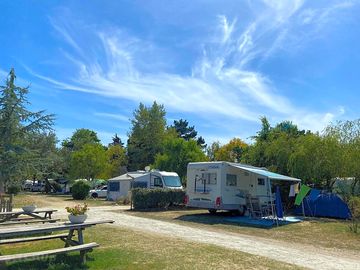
(17, 122)
(146, 136)
(184, 130)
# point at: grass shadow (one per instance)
(59, 262)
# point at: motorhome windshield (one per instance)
(172, 181)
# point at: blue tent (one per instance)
(325, 205)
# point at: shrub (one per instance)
(156, 198)
(13, 189)
(354, 205)
(80, 190)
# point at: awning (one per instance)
(265, 173)
(126, 177)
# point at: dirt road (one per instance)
(298, 254)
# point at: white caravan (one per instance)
(225, 185)
(120, 186)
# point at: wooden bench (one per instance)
(83, 248)
(31, 239)
(28, 221)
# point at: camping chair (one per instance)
(256, 210)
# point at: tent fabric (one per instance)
(314, 193)
(278, 204)
(325, 205)
(265, 173)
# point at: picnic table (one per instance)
(39, 215)
(11, 235)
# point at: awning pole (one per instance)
(272, 202)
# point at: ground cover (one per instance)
(52, 200)
(126, 249)
(330, 233)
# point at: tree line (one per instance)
(29, 147)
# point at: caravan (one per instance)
(120, 186)
(226, 186)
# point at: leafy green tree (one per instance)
(146, 135)
(47, 162)
(316, 160)
(212, 149)
(90, 162)
(232, 151)
(177, 154)
(117, 160)
(347, 133)
(262, 135)
(80, 138)
(273, 146)
(16, 122)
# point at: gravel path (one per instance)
(298, 254)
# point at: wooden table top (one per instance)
(14, 231)
(36, 211)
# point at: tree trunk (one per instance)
(2, 183)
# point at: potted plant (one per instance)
(77, 213)
(30, 207)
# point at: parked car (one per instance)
(98, 192)
(27, 185)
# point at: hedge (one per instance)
(156, 198)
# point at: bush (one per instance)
(354, 205)
(13, 189)
(156, 198)
(80, 190)
(124, 200)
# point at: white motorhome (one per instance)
(120, 186)
(225, 185)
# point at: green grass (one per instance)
(51, 200)
(126, 249)
(321, 232)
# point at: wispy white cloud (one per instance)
(113, 116)
(63, 30)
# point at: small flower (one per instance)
(77, 209)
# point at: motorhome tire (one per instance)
(212, 211)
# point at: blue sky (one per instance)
(219, 64)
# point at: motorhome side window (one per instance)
(157, 182)
(231, 180)
(114, 186)
(209, 178)
(261, 182)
